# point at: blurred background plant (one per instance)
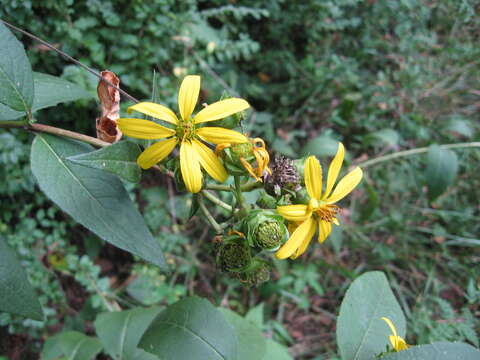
(381, 76)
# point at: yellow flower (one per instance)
(397, 342)
(194, 154)
(320, 212)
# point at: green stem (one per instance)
(208, 215)
(416, 151)
(237, 191)
(249, 186)
(216, 200)
(13, 123)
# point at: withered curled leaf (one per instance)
(107, 129)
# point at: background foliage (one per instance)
(380, 76)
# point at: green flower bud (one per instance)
(265, 229)
(233, 156)
(266, 201)
(234, 254)
(257, 273)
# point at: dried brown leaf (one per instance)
(107, 129)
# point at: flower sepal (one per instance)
(257, 273)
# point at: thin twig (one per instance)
(208, 215)
(216, 200)
(68, 57)
(416, 151)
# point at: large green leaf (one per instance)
(16, 294)
(72, 345)
(120, 332)
(52, 90)
(192, 328)
(49, 91)
(94, 198)
(141, 354)
(16, 79)
(361, 334)
(442, 167)
(437, 351)
(276, 351)
(119, 159)
(251, 343)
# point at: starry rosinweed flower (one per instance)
(187, 131)
(397, 341)
(321, 210)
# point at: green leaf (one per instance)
(276, 351)
(94, 198)
(251, 343)
(437, 351)
(119, 159)
(320, 146)
(361, 333)
(71, 344)
(16, 91)
(191, 326)
(442, 167)
(16, 294)
(120, 332)
(255, 315)
(143, 355)
(52, 90)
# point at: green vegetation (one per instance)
(382, 77)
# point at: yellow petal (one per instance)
(188, 95)
(334, 169)
(297, 213)
(313, 177)
(303, 247)
(346, 185)
(390, 325)
(190, 167)
(221, 109)
(155, 110)
(302, 234)
(143, 129)
(398, 343)
(324, 230)
(218, 135)
(156, 153)
(210, 161)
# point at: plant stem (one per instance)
(416, 151)
(237, 191)
(216, 200)
(208, 215)
(245, 187)
(13, 123)
(67, 133)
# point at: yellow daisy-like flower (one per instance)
(194, 154)
(397, 341)
(320, 212)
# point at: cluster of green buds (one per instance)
(241, 252)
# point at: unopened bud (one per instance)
(234, 254)
(257, 273)
(265, 229)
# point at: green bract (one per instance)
(264, 229)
